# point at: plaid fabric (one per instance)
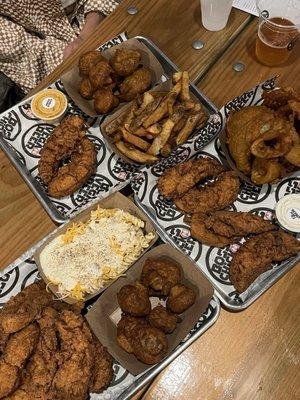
(34, 33)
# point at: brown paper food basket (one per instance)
(115, 200)
(116, 118)
(71, 79)
(105, 312)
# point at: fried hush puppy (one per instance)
(181, 297)
(99, 75)
(163, 319)
(85, 89)
(150, 345)
(125, 62)
(134, 300)
(88, 60)
(160, 276)
(126, 330)
(135, 84)
(104, 100)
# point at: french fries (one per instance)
(157, 122)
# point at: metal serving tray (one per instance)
(60, 210)
(23, 272)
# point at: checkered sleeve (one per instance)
(103, 6)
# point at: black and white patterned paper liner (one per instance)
(26, 135)
(261, 200)
(23, 271)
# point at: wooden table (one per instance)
(251, 355)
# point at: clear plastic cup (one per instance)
(215, 13)
(278, 30)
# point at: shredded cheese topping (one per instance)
(91, 254)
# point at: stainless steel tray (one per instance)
(56, 209)
(23, 271)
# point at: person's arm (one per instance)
(94, 10)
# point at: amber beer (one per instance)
(275, 40)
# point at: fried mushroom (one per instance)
(180, 299)
(160, 276)
(134, 300)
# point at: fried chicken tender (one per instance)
(150, 345)
(243, 128)
(256, 255)
(103, 371)
(134, 300)
(177, 180)
(85, 89)
(163, 319)
(24, 308)
(125, 62)
(180, 299)
(126, 330)
(160, 275)
(226, 227)
(99, 75)
(135, 84)
(214, 196)
(104, 100)
(19, 348)
(88, 60)
(68, 140)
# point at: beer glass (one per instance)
(278, 30)
(215, 13)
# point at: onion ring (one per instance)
(265, 171)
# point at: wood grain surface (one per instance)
(173, 26)
(250, 355)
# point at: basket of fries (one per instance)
(156, 122)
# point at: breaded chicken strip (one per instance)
(177, 180)
(256, 256)
(214, 196)
(226, 227)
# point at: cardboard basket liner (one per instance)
(115, 200)
(106, 313)
(23, 271)
(214, 262)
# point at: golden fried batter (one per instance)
(126, 331)
(226, 227)
(177, 180)
(85, 89)
(163, 319)
(104, 100)
(180, 299)
(135, 84)
(99, 75)
(88, 60)
(134, 300)
(160, 275)
(67, 140)
(242, 128)
(256, 255)
(266, 171)
(150, 345)
(125, 62)
(214, 196)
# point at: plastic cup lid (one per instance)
(288, 212)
